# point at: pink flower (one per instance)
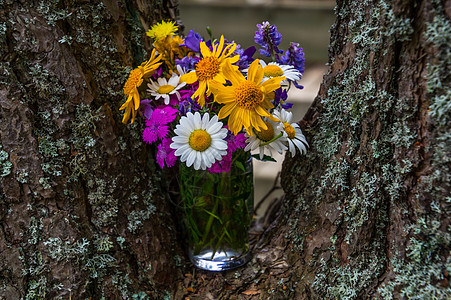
(235, 142)
(157, 127)
(165, 154)
(222, 165)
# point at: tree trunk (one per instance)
(84, 212)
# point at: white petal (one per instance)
(181, 139)
(197, 121)
(166, 99)
(173, 80)
(292, 148)
(220, 145)
(162, 81)
(180, 151)
(247, 148)
(191, 158)
(205, 120)
(197, 160)
(262, 152)
(213, 128)
(300, 146)
(182, 131)
(218, 136)
(276, 147)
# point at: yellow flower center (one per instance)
(266, 134)
(289, 130)
(165, 89)
(248, 95)
(272, 71)
(207, 68)
(199, 140)
(133, 81)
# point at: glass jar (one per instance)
(218, 213)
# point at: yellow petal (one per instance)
(219, 78)
(189, 78)
(136, 99)
(261, 111)
(226, 110)
(217, 51)
(225, 98)
(205, 50)
(200, 93)
(234, 123)
(234, 76)
(133, 116)
(126, 103)
(234, 59)
(272, 118)
(253, 72)
(272, 84)
(126, 115)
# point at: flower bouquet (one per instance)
(214, 107)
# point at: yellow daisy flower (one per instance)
(246, 100)
(210, 68)
(162, 30)
(135, 79)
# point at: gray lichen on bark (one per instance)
(70, 198)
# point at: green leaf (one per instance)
(240, 166)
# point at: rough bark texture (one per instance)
(84, 212)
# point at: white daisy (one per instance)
(199, 141)
(163, 88)
(292, 132)
(261, 138)
(274, 69)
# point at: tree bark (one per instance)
(84, 212)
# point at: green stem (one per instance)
(208, 226)
(269, 142)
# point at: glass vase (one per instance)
(218, 213)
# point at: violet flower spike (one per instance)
(294, 56)
(269, 38)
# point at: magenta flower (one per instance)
(157, 127)
(165, 154)
(222, 165)
(235, 142)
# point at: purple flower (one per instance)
(269, 38)
(156, 125)
(222, 165)
(245, 56)
(188, 105)
(187, 62)
(145, 108)
(280, 95)
(165, 154)
(294, 56)
(235, 142)
(192, 41)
